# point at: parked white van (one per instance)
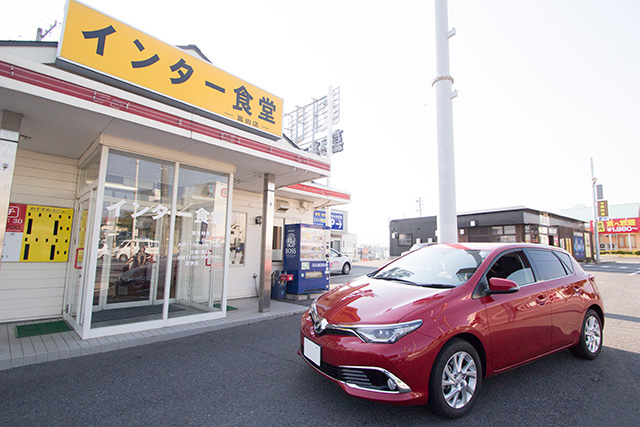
(130, 247)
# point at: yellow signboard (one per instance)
(104, 44)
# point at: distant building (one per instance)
(621, 229)
(509, 225)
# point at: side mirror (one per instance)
(502, 286)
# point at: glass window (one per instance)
(90, 171)
(566, 261)
(434, 265)
(509, 229)
(276, 243)
(405, 239)
(496, 231)
(512, 266)
(238, 235)
(548, 265)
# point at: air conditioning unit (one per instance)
(282, 205)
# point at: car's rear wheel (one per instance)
(590, 342)
(455, 379)
(123, 258)
(346, 268)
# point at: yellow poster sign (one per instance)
(47, 232)
(96, 41)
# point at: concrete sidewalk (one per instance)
(15, 352)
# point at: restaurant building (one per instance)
(509, 225)
(144, 187)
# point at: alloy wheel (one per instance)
(459, 379)
(592, 334)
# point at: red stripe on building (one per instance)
(320, 191)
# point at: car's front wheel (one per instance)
(346, 268)
(455, 379)
(590, 342)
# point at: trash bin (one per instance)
(278, 285)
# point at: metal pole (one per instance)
(596, 237)
(447, 216)
(330, 107)
(268, 198)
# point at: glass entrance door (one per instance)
(199, 240)
(145, 259)
(74, 301)
(134, 230)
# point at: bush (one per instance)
(620, 252)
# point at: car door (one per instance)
(556, 269)
(520, 323)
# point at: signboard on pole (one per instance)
(603, 208)
(337, 220)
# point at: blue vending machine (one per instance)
(305, 257)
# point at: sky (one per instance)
(544, 86)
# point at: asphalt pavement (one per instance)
(252, 376)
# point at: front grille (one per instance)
(365, 378)
(362, 377)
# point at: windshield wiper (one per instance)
(395, 279)
(439, 286)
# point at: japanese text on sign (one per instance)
(201, 215)
(101, 43)
(620, 225)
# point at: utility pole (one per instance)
(419, 202)
(596, 236)
(330, 107)
(447, 215)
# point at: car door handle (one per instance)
(541, 301)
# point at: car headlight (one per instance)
(384, 334)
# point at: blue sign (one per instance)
(337, 219)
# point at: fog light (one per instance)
(391, 384)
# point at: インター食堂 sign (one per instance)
(102, 44)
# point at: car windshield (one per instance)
(434, 266)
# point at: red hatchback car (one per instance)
(431, 325)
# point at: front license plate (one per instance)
(312, 351)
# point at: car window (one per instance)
(566, 261)
(434, 265)
(547, 264)
(513, 266)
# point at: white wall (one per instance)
(36, 289)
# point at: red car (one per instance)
(431, 325)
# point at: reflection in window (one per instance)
(548, 265)
(276, 245)
(512, 266)
(435, 265)
(238, 236)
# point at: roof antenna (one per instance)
(40, 35)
